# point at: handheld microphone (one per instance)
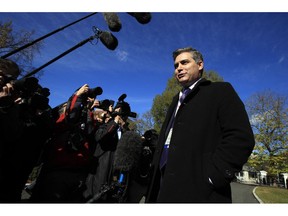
(122, 97)
(112, 21)
(126, 159)
(142, 18)
(108, 40)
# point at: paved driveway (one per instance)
(243, 193)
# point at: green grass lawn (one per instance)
(272, 194)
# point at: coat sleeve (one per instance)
(74, 108)
(237, 139)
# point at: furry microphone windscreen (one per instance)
(113, 21)
(128, 152)
(108, 40)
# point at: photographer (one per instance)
(103, 112)
(68, 154)
(26, 124)
(9, 126)
(107, 137)
(9, 70)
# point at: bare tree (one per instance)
(145, 122)
(11, 40)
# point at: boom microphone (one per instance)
(142, 18)
(108, 39)
(45, 36)
(113, 21)
(128, 152)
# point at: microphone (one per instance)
(108, 40)
(128, 152)
(122, 97)
(142, 18)
(112, 21)
(126, 159)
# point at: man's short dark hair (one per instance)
(9, 68)
(196, 55)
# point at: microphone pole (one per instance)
(45, 36)
(97, 32)
(59, 56)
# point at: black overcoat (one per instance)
(212, 138)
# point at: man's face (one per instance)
(187, 71)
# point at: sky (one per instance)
(247, 49)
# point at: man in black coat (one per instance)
(205, 139)
(25, 126)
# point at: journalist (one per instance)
(205, 139)
(26, 124)
(107, 137)
(67, 155)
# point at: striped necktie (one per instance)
(185, 92)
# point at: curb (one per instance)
(259, 200)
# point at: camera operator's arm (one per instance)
(106, 130)
(6, 90)
(8, 97)
(10, 125)
(106, 136)
(96, 103)
(84, 89)
(74, 107)
(119, 120)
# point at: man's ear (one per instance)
(200, 65)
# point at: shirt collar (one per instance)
(190, 87)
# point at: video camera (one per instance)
(105, 104)
(125, 108)
(93, 92)
(31, 93)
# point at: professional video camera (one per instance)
(30, 92)
(125, 108)
(105, 104)
(93, 92)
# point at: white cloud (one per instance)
(122, 55)
(281, 59)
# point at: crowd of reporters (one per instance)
(75, 145)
